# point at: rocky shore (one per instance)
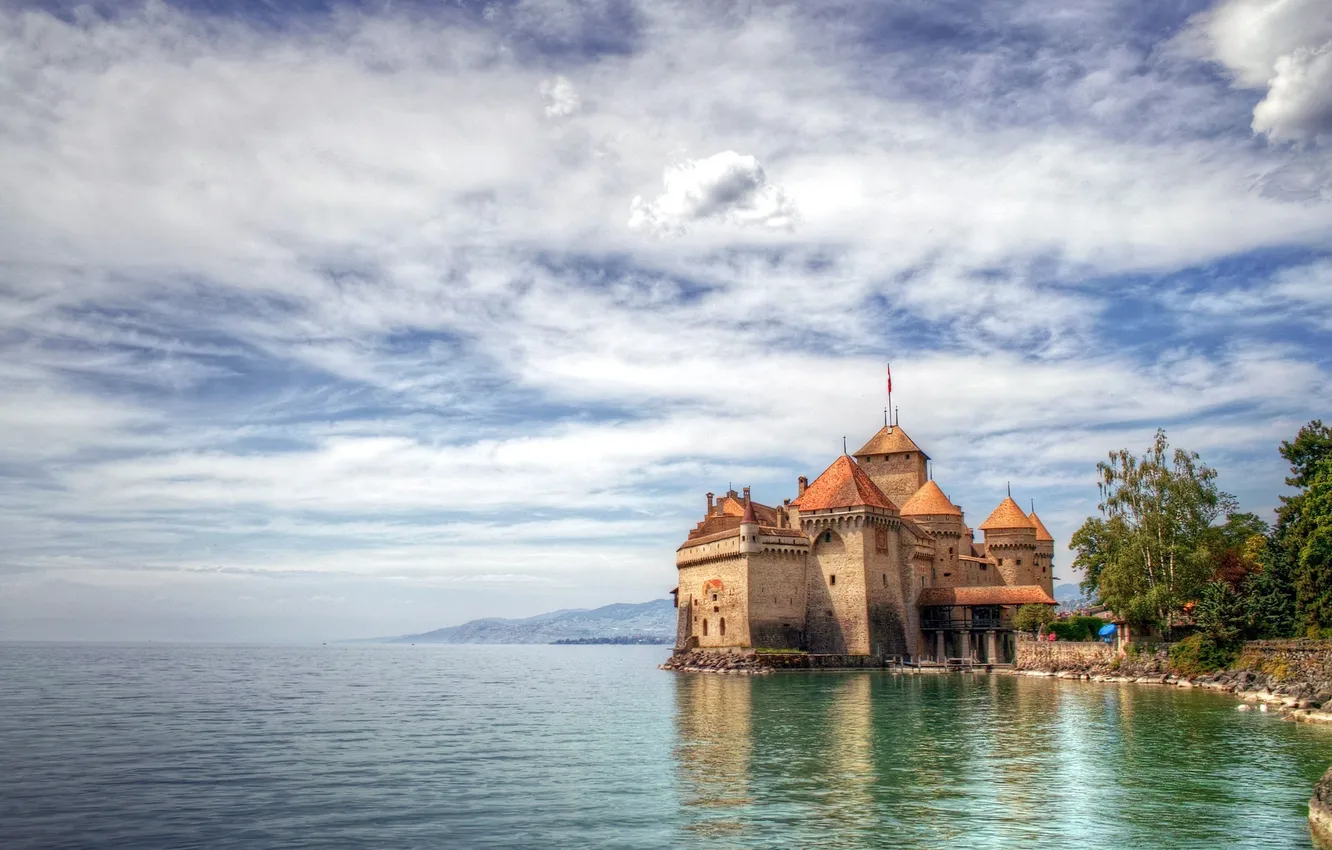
(748, 663)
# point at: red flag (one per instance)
(890, 377)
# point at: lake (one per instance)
(365, 746)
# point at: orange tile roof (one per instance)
(929, 501)
(1042, 533)
(1007, 515)
(891, 439)
(1019, 595)
(730, 506)
(843, 485)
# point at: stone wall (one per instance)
(1289, 660)
(1058, 656)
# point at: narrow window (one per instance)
(705, 628)
(1001, 562)
(714, 597)
(721, 629)
(1019, 563)
(716, 609)
(946, 575)
(922, 581)
(950, 550)
(832, 579)
(885, 579)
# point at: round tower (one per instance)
(1044, 553)
(1010, 538)
(749, 528)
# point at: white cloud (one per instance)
(726, 186)
(1284, 46)
(564, 99)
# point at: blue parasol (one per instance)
(1106, 630)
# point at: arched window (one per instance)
(721, 629)
(827, 537)
(705, 628)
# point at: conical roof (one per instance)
(929, 501)
(1042, 533)
(843, 485)
(1007, 515)
(891, 439)
(749, 513)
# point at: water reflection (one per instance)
(871, 759)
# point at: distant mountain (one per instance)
(631, 622)
(1069, 597)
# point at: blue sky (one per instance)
(322, 320)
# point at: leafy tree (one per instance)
(1147, 553)
(1033, 617)
(1313, 567)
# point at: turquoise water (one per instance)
(404, 747)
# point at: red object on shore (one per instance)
(1052, 637)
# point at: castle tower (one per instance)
(749, 528)
(856, 599)
(894, 463)
(931, 509)
(1010, 538)
(1044, 553)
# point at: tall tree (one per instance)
(1313, 572)
(1293, 572)
(1145, 555)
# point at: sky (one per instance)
(324, 321)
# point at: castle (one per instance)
(871, 558)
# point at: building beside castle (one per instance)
(871, 558)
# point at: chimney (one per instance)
(746, 495)
(709, 504)
(803, 482)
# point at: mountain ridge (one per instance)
(653, 619)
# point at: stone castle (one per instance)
(871, 558)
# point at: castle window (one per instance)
(885, 579)
(827, 537)
(714, 597)
(722, 628)
(946, 575)
(832, 579)
(922, 581)
(716, 609)
(984, 567)
(1042, 570)
(1001, 562)
(950, 550)
(705, 628)
(1019, 563)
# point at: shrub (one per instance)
(1201, 654)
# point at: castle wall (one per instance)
(777, 597)
(892, 625)
(716, 590)
(835, 612)
(898, 476)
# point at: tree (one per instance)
(1033, 617)
(1313, 570)
(1287, 569)
(1147, 552)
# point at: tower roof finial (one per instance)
(1010, 489)
(843, 445)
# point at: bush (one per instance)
(1079, 628)
(1201, 654)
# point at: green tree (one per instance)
(1146, 554)
(1313, 567)
(1033, 617)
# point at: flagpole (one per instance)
(890, 389)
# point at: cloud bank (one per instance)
(347, 307)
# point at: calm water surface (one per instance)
(427, 747)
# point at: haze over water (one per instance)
(149, 746)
